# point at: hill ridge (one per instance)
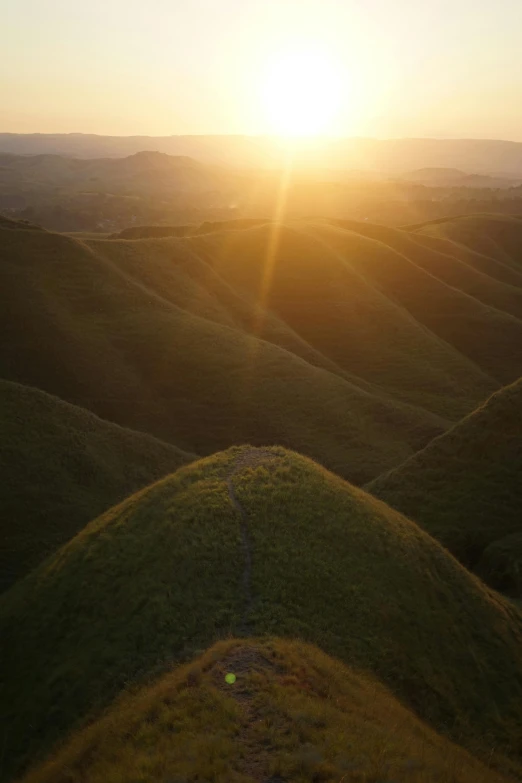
(292, 712)
(60, 466)
(142, 340)
(464, 487)
(128, 611)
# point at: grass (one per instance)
(294, 714)
(142, 334)
(60, 467)
(435, 290)
(355, 345)
(494, 236)
(464, 488)
(366, 343)
(325, 285)
(163, 575)
(501, 564)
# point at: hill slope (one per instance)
(464, 488)
(61, 466)
(501, 564)
(487, 236)
(357, 293)
(292, 714)
(147, 335)
(210, 551)
(352, 343)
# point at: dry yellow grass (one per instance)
(263, 542)
(293, 714)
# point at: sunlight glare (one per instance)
(301, 92)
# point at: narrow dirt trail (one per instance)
(245, 661)
(246, 459)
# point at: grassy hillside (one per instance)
(443, 295)
(382, 305)
(293, 714)
(353, 344)
(473, 231)
(501, 564)
(146, 334)
(60, 467)
(464, 488)
(255, 541)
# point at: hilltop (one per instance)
(61, 466)
(211, 551)
(464, 488)
(293, 713)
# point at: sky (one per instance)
(394, 68)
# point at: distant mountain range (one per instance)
(476, 156)
(143, 173)
(152, 188)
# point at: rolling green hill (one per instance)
(488, 235)
(257, 542)
(60, 467)
(465, 487)
(147, 334)
(351, 343)
(293, 713)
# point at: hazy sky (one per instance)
(406, 67)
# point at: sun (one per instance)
(301, 93)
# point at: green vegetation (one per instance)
(435, 291)
(496, 236)
(293, 713)
(353, 344)
(370, 350)
(464, 488)
(264, 541)
(501, 565)
(148, 335)
(60, 467)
